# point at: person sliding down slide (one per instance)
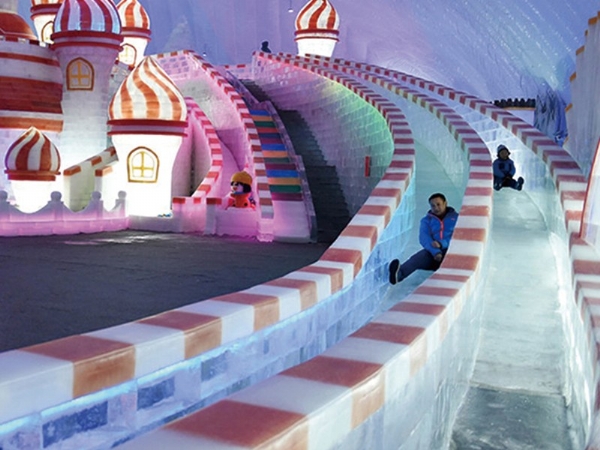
(504, 171)
(435, 233)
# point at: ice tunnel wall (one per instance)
(493, 49)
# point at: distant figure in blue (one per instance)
(265, 47)
(504, 171)
(435, 233)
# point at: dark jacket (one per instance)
(435, 229)
(504, 168)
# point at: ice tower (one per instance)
(87, 40)
(147, 124)
(43, 13)
(317, 27)
(32, 164)
(136, 31)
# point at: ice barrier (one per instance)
(562, 171)
(562, 202)
(113, 383)
(297, 416)
(582, 112)
(57, 218)
(398, 379)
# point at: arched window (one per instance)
(128, 54)
(80, 75)
(47, 31)
(142, 166)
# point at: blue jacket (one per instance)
(435, 229)
(504, 168)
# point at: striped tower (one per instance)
(87, 39)
(43, 13)
(317, 27)
(32, 164)
(136, 31)
(30, 84)
(148, 117)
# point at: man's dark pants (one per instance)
(422, 260)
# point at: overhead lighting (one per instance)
(291, 7)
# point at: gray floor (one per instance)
(56, 286)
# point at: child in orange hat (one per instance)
(241, 191)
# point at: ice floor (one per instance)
(514, 401)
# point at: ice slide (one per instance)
(532, 372)
(399, 367)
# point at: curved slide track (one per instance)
(518, 370)
(343, 360)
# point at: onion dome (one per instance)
(318, 18)
(148, 95)
(32, 157)
(14, 26)
(134, 18)
(99, 16)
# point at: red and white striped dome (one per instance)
(32, 157)
(148, 94)
(134, 18)
(88, 15)
(317, 17)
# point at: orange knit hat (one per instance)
(242, 177)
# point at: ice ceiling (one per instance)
(491, 48)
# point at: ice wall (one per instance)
(492, 49)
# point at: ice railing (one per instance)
(198, 211)
(390, 382)
(282, 224)
(581, 387)
(350, 136)
(582, 113)
(56, 218)
(246, 149)
(122, 379)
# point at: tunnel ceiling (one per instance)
(491, 48)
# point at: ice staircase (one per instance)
(332, 212)
(330, 206)
(284, 181)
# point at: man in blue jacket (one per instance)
(435, 233)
